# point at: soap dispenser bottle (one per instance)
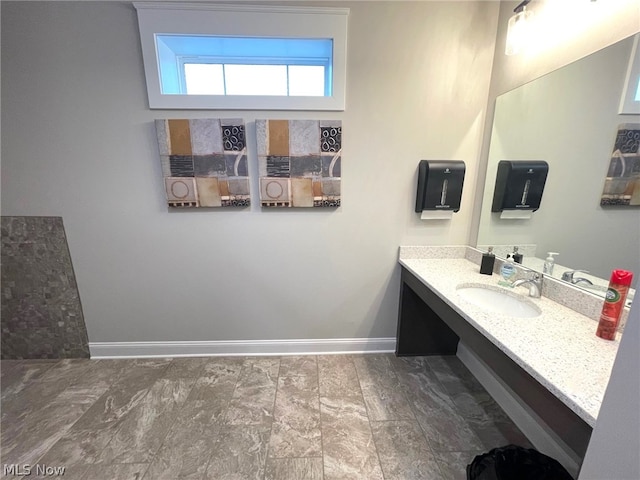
(549, 263)
(517, 257)
(488, 259)
(507, 271)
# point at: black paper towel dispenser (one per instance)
(519, 185)
(439, 185)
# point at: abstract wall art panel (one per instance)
(622, 183)
(299, 162)
(204, 162)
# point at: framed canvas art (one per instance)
(204, 162)
(299, 162)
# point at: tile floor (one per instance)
(351, 417)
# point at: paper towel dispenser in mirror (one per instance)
(440, 185)
(519, 185)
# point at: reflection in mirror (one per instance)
(568, 118)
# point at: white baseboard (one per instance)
(541, 436)
(241, 347)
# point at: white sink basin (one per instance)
(498, 300)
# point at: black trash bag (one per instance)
(515, 463)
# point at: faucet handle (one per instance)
(534, 281)
(568, 275)
(532, 275)
(536, 278)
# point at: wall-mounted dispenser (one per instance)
(439, 188)
(519, 187)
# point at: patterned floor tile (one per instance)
(329, 417)
(403, 451)
(239, 452)
(294, 469)
(348, 447)
(338, 376)
(296, 425)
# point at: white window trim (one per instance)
(243, 20)
(628, 104)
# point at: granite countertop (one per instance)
(559, 348)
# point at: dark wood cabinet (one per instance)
(427, 325)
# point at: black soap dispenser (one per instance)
(488, 259)
(517, 257)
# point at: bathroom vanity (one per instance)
(553, 363)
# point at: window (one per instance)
(214, 65)
(242, 57)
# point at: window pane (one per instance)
(256, 79)
(306, 80)
(203, 79)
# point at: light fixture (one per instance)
(518, 29)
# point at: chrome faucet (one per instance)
(568, 277)
(535, 284)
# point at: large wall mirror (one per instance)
(568, 118)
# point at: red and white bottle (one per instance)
(614, 304)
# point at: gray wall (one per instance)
(78, 142)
